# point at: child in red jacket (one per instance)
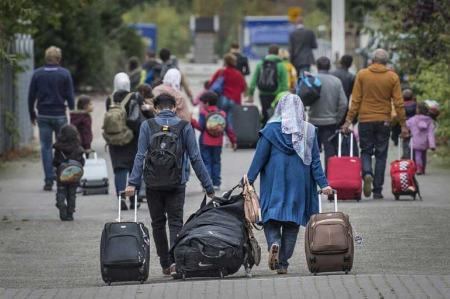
(213, 126)
(81, 119)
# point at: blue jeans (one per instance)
(374, 140)
(285, 235)
(211, 156)
(227, 105)
(47, 126)
(120, 179)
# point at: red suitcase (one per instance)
(403, 176)
(344, 173)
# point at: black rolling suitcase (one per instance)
(246, 125)
(125, 250)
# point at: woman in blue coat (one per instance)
(287, 157)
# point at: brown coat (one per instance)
(376, 90)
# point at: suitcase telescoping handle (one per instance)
(122, 193)
(334, 197)
(400, 147)
(340, 144)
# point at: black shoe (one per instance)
(62, 211)
(69, 216)
(132, 205)
(123, 205)
(48, 187)
(377, 196)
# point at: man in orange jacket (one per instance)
(376, 90)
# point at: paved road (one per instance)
(39, 251)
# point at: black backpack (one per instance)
(164, 161)
(214, 241)
(268, 78)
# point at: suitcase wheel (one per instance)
(84, 193)
(109, 283)
(183, 276)
(397, 197)
(414, 196)
(106, 192)
(221, 275)
(142, 281)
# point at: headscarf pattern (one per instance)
(173, 79)
(291, 113)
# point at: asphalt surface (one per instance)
(37, 250)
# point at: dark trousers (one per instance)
(329, 147)
(285, 235)
(211, 156)
(66, 196)
(302, 68)
(266, 102)
(166, 206)
(374, 140)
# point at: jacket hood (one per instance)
(72, 148)
(423, 121)
(272, 57)
(283, 142)
(378, 68)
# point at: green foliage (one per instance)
(173, 25)
(85, 30)
(433, 82)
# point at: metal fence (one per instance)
(15, 126)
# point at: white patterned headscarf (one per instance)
(291, 113)
(173, 79)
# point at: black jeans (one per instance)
(329, 147)
(66, 196)
(163, 206)
(374, 140)
(266, 102)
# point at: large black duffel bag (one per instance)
(214, 241)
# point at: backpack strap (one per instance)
(154, 126)
(125, 101)
(177, 129)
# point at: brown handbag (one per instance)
(251, 202)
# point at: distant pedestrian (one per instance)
(152, 68)
(328, 112)
(422, 132)
(234, 86)
(164, 174)
(290, 68)
(241, 60)
(410, 110)
(168, 63)
(213, 125)
(122, 152)
(51, 87)
(302, 41)
(67, 148)
(171, 84)
(343, 73)
(136, 73)
(376, 90)
(81, 119)
(271, 78)
(287, 158)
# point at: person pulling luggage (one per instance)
(288, 159)
(163, 142)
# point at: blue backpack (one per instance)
(308, 88)
(217, 85)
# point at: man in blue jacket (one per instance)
(166, 183)
(50, 88)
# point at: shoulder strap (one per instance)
(126, 100)
(179, 127)
(154, 126)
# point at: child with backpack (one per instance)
(213, 124)
(81, 119)
(68, 161)
(422, 128)
(163, 144)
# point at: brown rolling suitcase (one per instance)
(329, 241)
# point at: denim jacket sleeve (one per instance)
(196, 159)
(143, 143)
(260, 159)
(316, 166)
